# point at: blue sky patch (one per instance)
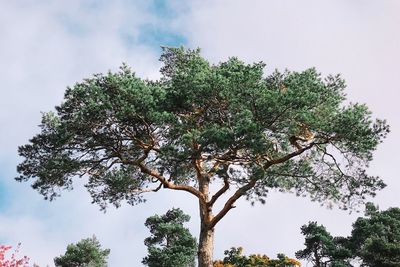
(162, 9)
(155, 37)
(5, 194)
(160, 35)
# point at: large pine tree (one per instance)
(228, 124)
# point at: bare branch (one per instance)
(229, 203)
(220, 192)
(242, 190)
(169, 185)
(334, 160)
(293, 154)
(147, 190)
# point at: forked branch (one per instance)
(229, 203)
(220, 192)
(242, 190)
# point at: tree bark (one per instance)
(206, 239)
(206, 247)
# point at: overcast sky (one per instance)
(47, 45)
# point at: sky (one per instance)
(48, 45)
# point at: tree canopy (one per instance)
(170, 243)
(127, 133)
(228, 123)
(85, 253)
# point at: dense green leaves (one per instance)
(85, 253)
(289, 131)
(376, 238)
(170, 243)
(322, 249)
(374, 242)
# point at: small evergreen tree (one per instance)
(85, 253)
(322, 249)
(170, 243)
(375, 239)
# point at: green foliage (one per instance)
(376, 238)
(374, 241)
(170, 243)
(287, 131)
(235, 258)
(322, 249)
(85, 253)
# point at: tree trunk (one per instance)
(317, 258)
(206, 247)
(206, 239)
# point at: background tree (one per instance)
(235, 258)
(85, 253)
(227, 124)
(170, 243)
(375, 239)
(322, 249)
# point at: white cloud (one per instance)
(42, 54)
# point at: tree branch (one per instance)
(148, 189)
(220, 192)
(242, 190)
(293, 154)
(169, 185)
(229, 204)
(333, 158)
(202, 178)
